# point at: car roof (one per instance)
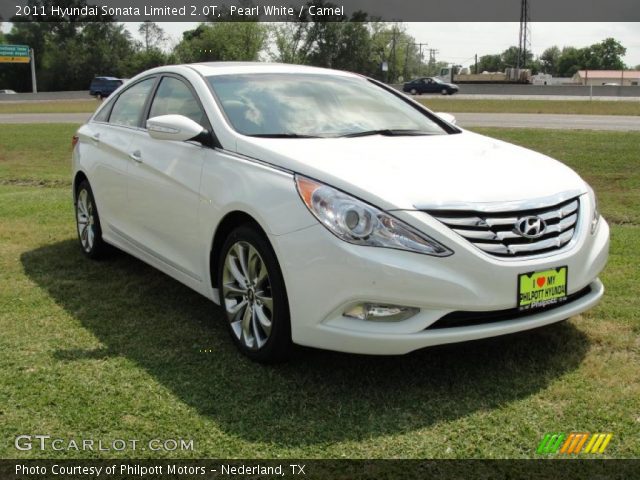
(226, 68)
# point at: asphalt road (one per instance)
(563, 98)
(515, 120)
(554, 121)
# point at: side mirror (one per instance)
(174, 127)
(447, 117)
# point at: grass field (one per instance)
(436, 103)
(57, 106)
(582, 107)
(116, 350)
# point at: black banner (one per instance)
(319, 469)
(322, 10)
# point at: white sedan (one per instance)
(322, 208)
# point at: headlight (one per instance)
(357, 222)
(595, 218)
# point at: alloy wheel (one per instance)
(247, 297)
(85, 220)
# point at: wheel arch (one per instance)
(228, 223)
(77, 180)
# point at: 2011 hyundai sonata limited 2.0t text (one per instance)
(325, 209)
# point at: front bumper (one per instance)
(325, 275)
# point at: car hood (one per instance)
(421, 172)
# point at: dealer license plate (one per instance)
(542, 289)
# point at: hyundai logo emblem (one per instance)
(530, 227)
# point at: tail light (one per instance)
(74, 141)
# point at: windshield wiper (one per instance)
(282, 135)
(387, 132)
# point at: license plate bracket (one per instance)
(543, 288)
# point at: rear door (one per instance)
(107, 146)
(164, 183)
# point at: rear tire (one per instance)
(88, 223)
(413, 91)
(253, 296)
(445, 91)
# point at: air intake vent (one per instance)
(515, 233)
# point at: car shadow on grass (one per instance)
(321, 397)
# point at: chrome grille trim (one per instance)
(495, 232)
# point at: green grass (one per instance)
(115, 349)
(53, 106)
(582, 107)
(35, 154)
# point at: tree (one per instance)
(153, 35)
(290, 42)
(99, 48)
(510, 58)
(352, 44)
(221, 41)
(570, 61)
(609, 53)
(549, 60)
(490, 63)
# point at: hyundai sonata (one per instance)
(325, 209)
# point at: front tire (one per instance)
(88, 222)
(253, 296)
(444, 91)
(413, 91)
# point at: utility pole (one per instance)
(406, 60)
(432, 61)
(394, 36)
(475, 70)
(34, 85)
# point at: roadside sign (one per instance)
(14, 54)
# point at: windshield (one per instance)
(311, 105)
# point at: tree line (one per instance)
(565, 62)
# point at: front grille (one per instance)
(496, 234)
(467, 319)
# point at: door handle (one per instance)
(95, 137)
(136, 156)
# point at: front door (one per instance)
(164, 184)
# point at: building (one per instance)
(607, 77)
(548, 79)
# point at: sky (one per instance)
(459, 42)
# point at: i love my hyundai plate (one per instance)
(542, 289)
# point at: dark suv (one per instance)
(102, 87)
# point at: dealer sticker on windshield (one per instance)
(542, 289)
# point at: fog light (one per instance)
(380, 313)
